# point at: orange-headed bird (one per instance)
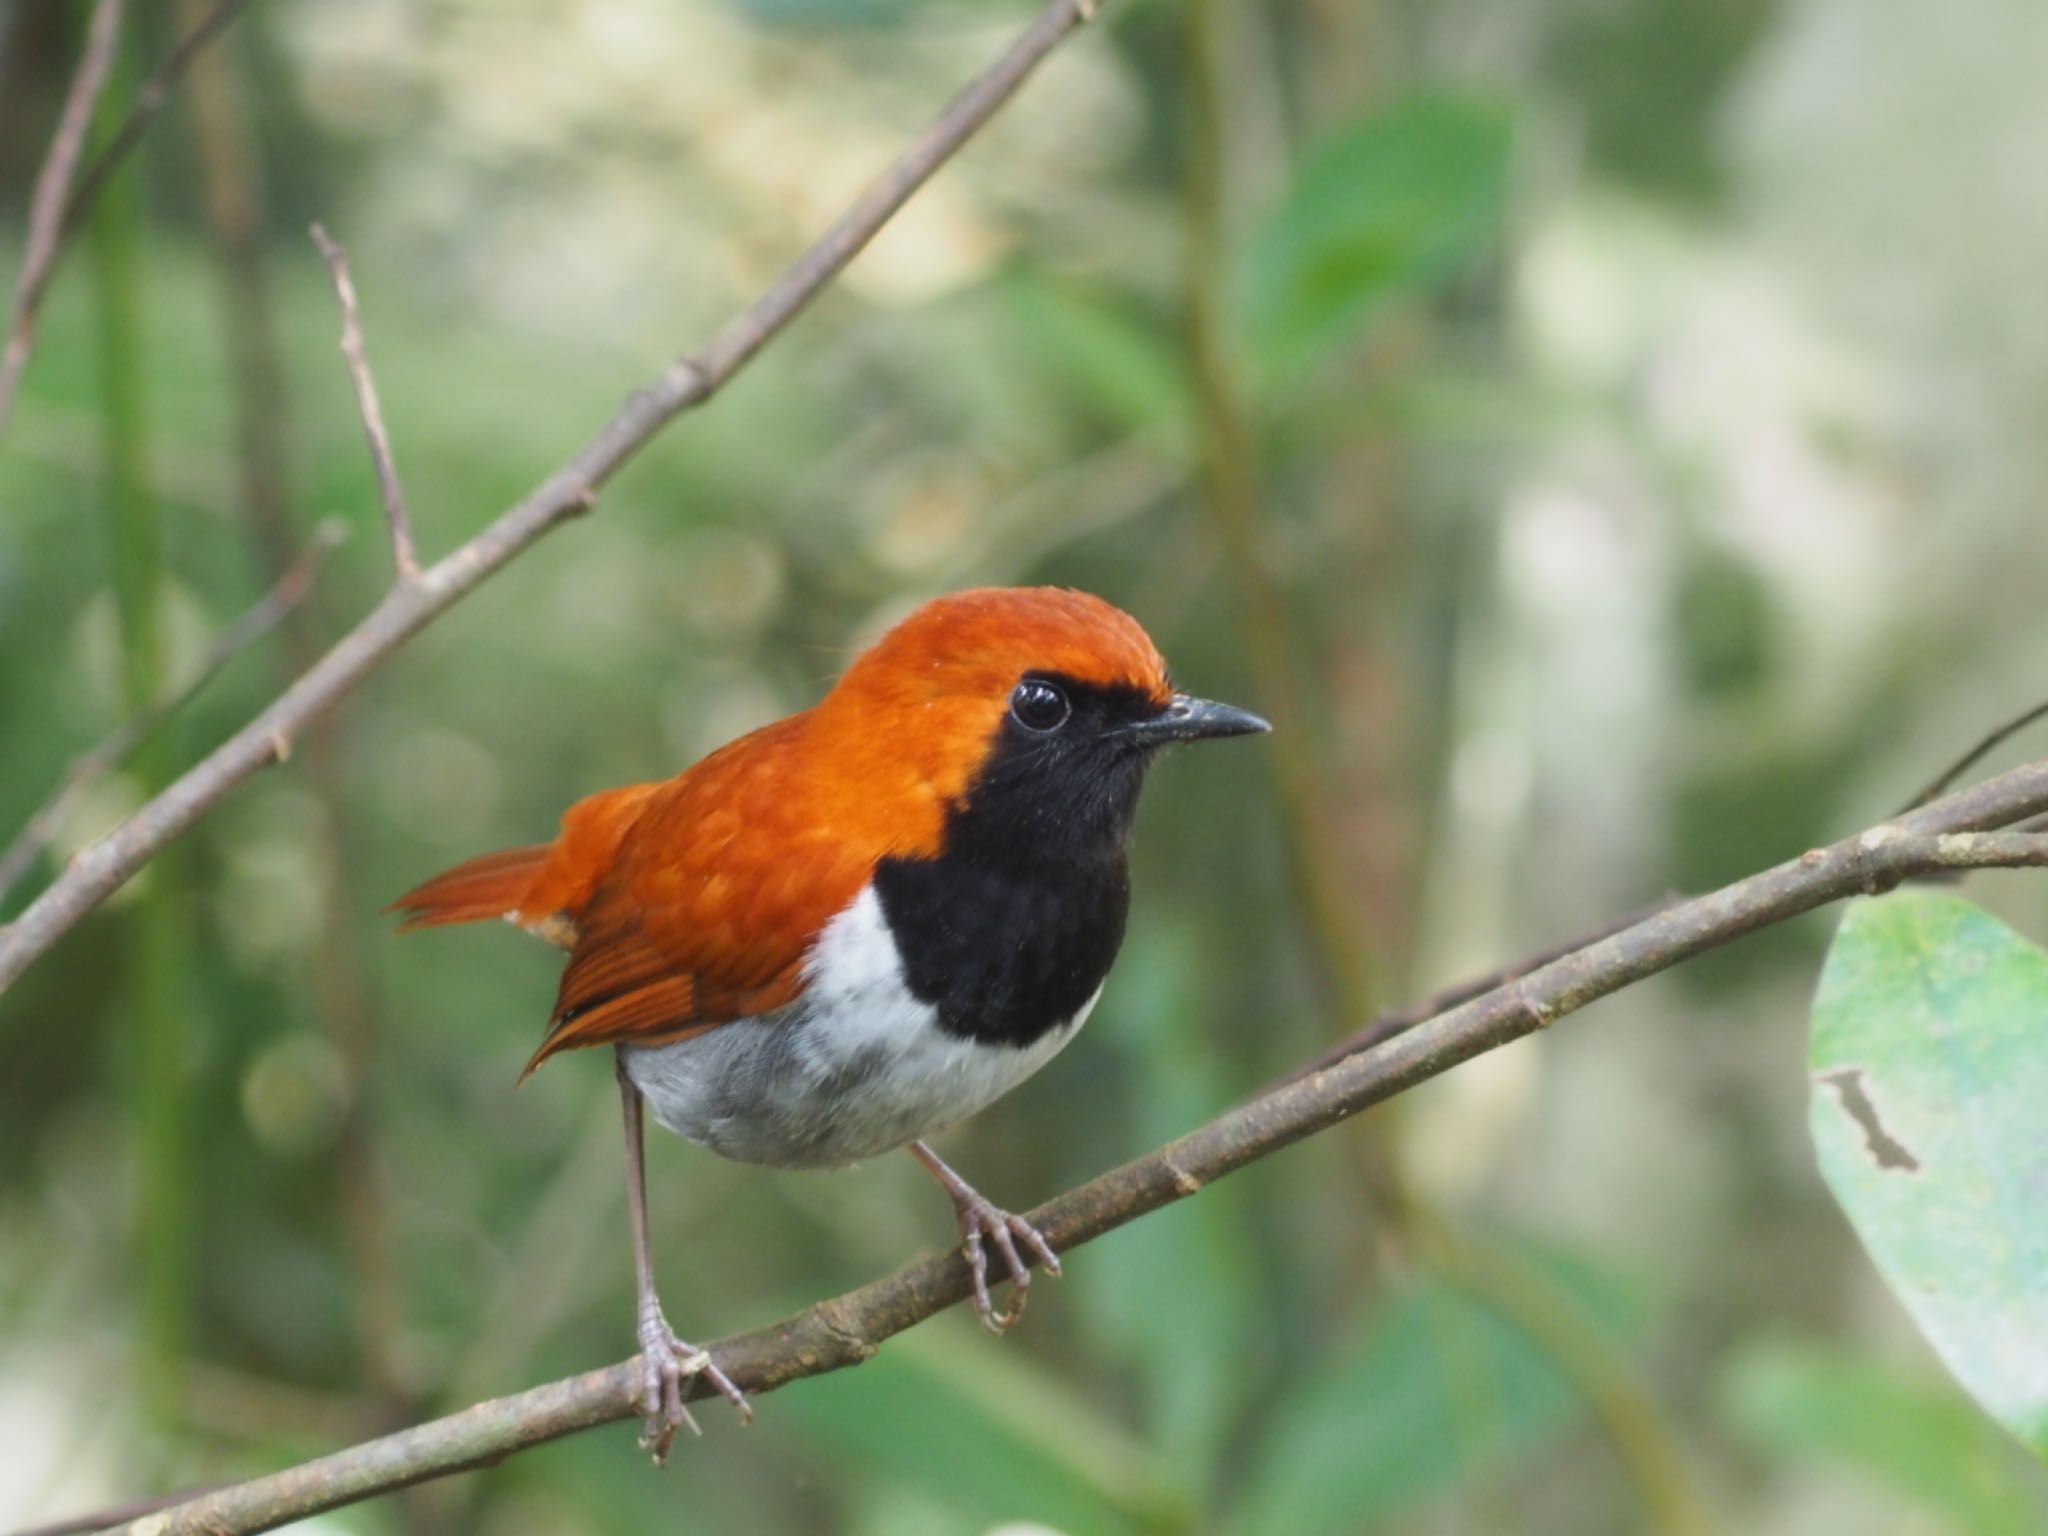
(853, 928)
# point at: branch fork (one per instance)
(404, 557)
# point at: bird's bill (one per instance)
(1189, 719)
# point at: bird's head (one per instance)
(1032, 711)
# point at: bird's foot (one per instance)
(666, 1362)
(982, 1223)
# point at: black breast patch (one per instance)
(1003, 955)
(1015, 924)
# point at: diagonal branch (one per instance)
(1397, 1021)
(407, 608)
(1995, 737)
(403, 556)
(148, 102)
(59, 210)
(127, 738)
(48, 203)
(1947, 835)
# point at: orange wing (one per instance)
(722, 883)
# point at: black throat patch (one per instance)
(1011, 929)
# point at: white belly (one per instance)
(855, 1068)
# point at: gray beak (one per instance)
(1187, 719)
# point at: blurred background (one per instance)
(1605, 434)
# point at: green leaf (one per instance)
(1930, 1113)
(1916, 1437)
(1439, 1391)
(1391, 204)
(1099, 353)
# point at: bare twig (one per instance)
(1992, 738)
(90, 767)
(1399, 1020)
(148, 102)
(103, 868)
(403, 557)
(58, 209)
(342, 988)
(48, 202)
(850, 1329)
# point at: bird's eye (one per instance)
(1039, 705)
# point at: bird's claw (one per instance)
(666, 1362)
(982, 1223)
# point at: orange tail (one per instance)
(490, 887)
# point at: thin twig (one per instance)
(148, 102)
(53, 187)
(403, 557)
(90, 767)
(341, 984)
(1962, 765)
(850, 1329)
(1399, 1020)
(104, 867)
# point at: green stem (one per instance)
(230, 156)
(1228, 465)
(1524, 1297)
(160, 1081)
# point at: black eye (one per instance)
(1039, 705)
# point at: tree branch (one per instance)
(47, 204)
(1994, 737)
(122, 743)
(58, 210)
(148, 102)
(404, 558)
(1947, 835)
(344, 997)
(1396, 1021)
(407, 608)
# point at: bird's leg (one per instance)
(981, 1222)
(666, 1361)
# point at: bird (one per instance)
(852, 929)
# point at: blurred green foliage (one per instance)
(1437, 1395)
(1894, 1429)
(1647, 413)
(1380, 207)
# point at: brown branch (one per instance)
(58, 209)
(403, 558)
(1397, 1021)
(48, 203)
(148, 102)
(849, 1329)
(103, 868)
(1997, 735)
(126, 739)
(343, 993)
